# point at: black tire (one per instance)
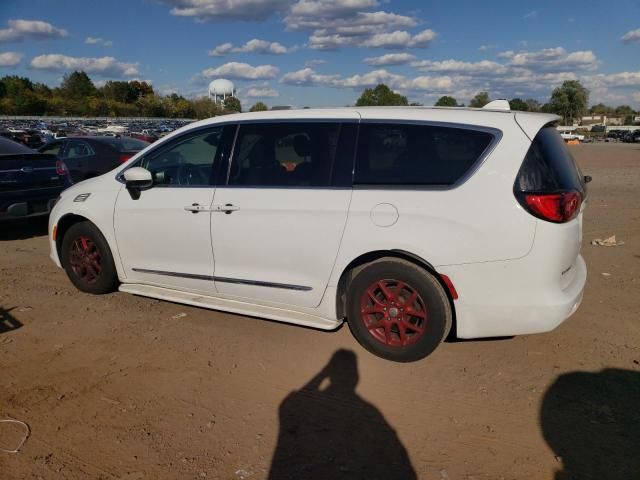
(424, 319)
(84, 249)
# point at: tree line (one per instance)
(77, 95)
(570, 101)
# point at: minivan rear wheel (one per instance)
(397, 310)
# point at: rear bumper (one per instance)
(26, 208)
(513, 297)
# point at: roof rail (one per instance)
(498, 105)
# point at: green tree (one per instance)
(139, 89)
(204, 107)
(519, 105)
(77, 85)
(627, 112)
(232, 104)
(533, 105)
(379, 96)
(446, 101)
(569, 101)
(119, 91)
(259, 107)
(601, 109)
(480, 100)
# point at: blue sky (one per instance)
(324, 53)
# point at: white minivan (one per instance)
(407, 222)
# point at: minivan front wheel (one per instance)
(87, 259)
(397, 310)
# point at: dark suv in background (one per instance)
(30, 182)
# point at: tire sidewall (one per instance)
(108, 278)
(436, 303)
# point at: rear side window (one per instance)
(396, 154)
(296, 154)
(549, 166)
(127, 144)
(78, 150)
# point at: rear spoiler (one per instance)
(531, 123)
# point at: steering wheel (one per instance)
(189, 174)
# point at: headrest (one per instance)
(302, 145)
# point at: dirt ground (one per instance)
(120, 386)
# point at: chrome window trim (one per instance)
(495, 132)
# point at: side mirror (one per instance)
(137, 179)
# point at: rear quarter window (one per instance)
(549, 166)
(399, 154)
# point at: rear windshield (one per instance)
(126, 144)
(410, 154)
(549, 166)
(9, 147)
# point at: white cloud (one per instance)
(532, 15)
(313, 63)
(103, 66)
(10, 59)
(484, 48)
(552, 59)
(368, 39)
(307, 77)
(221, 50)
(242, 71)
(632, 36)
(334, 24)
(620, 79)
(396, 82)
(390, 59)
(224, 10)
(252, 46)
(456, 66)
(258, 92)
(98, 41)
(30, 29)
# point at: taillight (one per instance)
(124, 157)
(553, 207)
(61, 168)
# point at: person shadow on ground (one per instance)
(592, 423)
(327, 431)
(7, 321)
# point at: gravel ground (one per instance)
(118, 386)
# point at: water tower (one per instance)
(220, 89)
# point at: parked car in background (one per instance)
(88, 157)
(616, 134)
(145, 136)
(571, 135)
(30, 182)
(407, 222)
(631, 136)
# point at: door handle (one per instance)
(196, 207)
(228, 208)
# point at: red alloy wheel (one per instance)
(85, 259)
(393, 312)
